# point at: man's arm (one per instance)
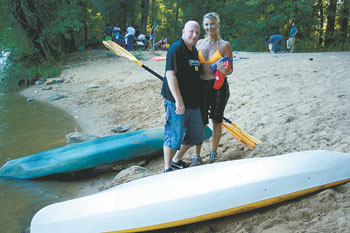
(295, 33)
(175, 91)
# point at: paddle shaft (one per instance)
(152, 72)
(120, 51)
(246, 142)
(251, 140)
(227, 120)
(161, 78)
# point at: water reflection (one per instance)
(27, 128)
(19, 198)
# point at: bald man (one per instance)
(182, 98)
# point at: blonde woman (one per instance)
(210, 50)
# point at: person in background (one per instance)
(182, 98)
(212, 50)
(292, 35)
(151, 34)
(118, 37)
(276, 41)
(161, 44)
(130, 36)
(116, 33)
(107, 33)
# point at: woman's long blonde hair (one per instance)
(212, 16)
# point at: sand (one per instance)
(291, 102)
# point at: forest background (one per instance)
(38, 35)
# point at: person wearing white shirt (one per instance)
(130, 38)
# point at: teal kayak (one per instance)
(111, 149)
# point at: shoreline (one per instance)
(291, 102)
(80, 101)
(81, 111)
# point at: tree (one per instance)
(321, 21)
(331, 12)
(344, 21)
(27, 16)
(38, 32)
(144, 15)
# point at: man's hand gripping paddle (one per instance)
(242, 136)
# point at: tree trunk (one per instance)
(69, 44)
(85, 35)
(124, 20)
(177, 29)
(344, 21)
(320, 7)
(25, 15)
(144, 16)
(153, 11)
(331, 11)
(85, 18)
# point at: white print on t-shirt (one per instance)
(194, 62)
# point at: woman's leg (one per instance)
(217, 131)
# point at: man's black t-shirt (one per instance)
(186, 64)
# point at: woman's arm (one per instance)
(227, 52)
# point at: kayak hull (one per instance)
(187, 195)
(126, 146)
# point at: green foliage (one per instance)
(25, 73)
(138, 54)
(43, 32)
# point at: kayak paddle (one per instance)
(238, 135)
(242, 136)
(120, 51)
(255, 140)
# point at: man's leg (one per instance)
(132, 42)
(168, 155)
(129, 42)
(173, 132)
(193, 132)
(280, 46)
(180, 153)
(177, 162)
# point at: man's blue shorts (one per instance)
(186, 129)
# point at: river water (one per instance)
(32, 127)
(27, 128)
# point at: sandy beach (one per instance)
(291, 102)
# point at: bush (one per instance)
(26, 73)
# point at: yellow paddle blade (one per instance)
(239, 135)
(255, 140)
(123, 52)
(120, 51)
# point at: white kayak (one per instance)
(196, 194)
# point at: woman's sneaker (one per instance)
(212, 156)
(197, 160)
(179, 164)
